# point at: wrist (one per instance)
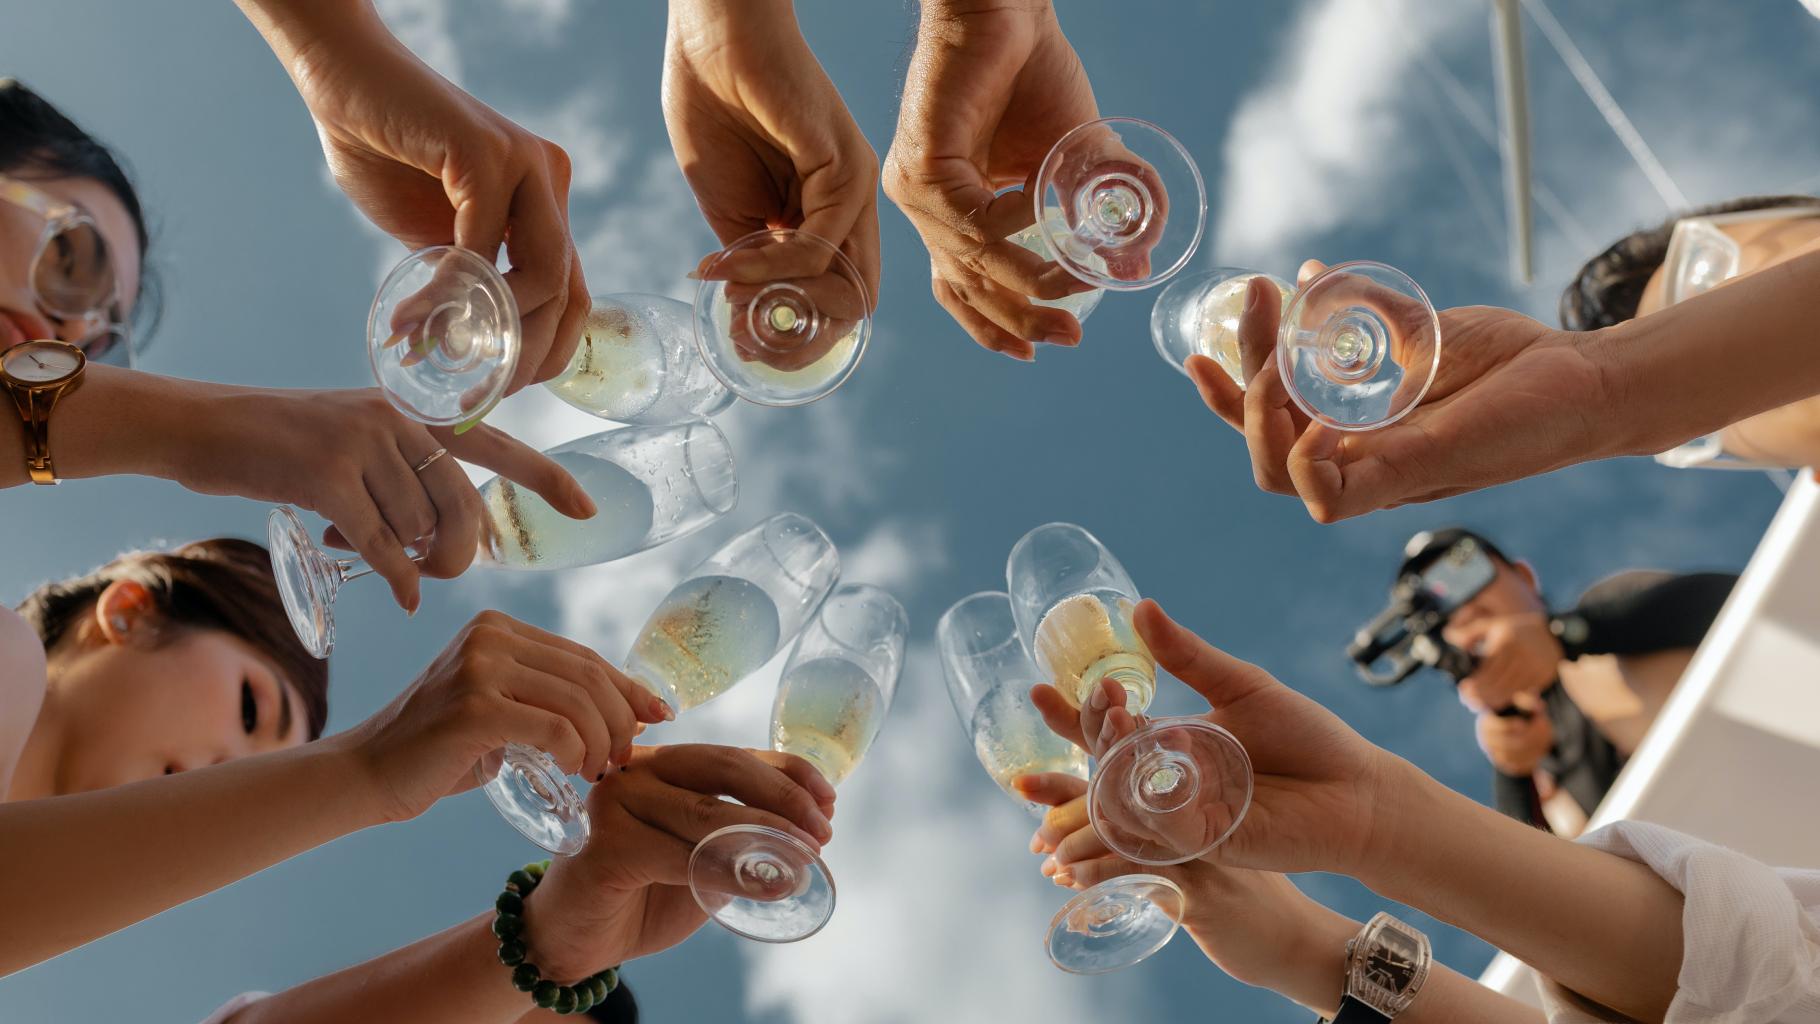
(1318, 980)
(340, 760)
(1403, 811)
(293, 27)
(962, 8)
(556, 931)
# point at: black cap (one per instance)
(1425, 547)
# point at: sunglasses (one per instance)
(1701, 256)
(72, 276)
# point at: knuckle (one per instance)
(701, 810)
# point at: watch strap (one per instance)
(1352, 1011)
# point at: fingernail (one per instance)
(1251, 298)
(1065, 880)
(1050, 867)
(601, 777)
(585, 504)
(666, 712)
(1036, 843)
(1062, 339)
(1099, 700)
(693, 275)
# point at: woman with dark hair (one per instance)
(72, 244)
(163, 699)
(1642, 273)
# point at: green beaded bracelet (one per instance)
(508, 928)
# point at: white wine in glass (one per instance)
(989, 678)
(1081, 304)
(764, 883)
(638, 363)
(1073, 602)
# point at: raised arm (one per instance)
(429, 164)
(625, 895)
(1325, 799)
(194, 832)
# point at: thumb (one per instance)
(1211, 672)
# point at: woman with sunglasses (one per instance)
(72, 251)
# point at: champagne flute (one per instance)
(729, 616)
(650, 484)
(989, 678)
(444, 338)
(638, 363)
(1120, 204)
(1072, 601)
(1358, 346)
(763, 883)
(782, 317)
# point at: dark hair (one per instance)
(1609, 287)
(37, 137)
(619, 1008)
(223, 584)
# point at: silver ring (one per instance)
(432, 457)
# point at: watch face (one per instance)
(1388, 967)
(41, 362)
(1392, 962)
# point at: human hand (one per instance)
(429, 164)
(1316, 783)
(1254, 925)
(1512, 398)
(1516, 745)
(626, 894)
(1517, 655)
(499, 681)
(990, 90)
(766, 141)
(352, 458)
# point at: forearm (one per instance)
(1711, 361)
(1788, 436)
(1603, 926)
(82, 866)
(116, 421)
(1312, 973)
(452, 975)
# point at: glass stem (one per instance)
(354, 568)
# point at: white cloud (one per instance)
(543, 17)
(1315, 147)
(584, 125)
(425, 27)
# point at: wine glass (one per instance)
(444, 335)
(651, 485)
(1118, 922)
(763, 883)
(782, 317)
(989, 678)
(730, 615)
(1080, 304)
(638, 363)
(444, 338)
(1120, 203)
(1358, 346)
(1072, 601)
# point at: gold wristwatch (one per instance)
(37, 374)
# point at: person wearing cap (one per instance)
(1587, 680)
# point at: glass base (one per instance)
(1132, 203)
(1359, 346)
(307, 580)
(762, 884)
(531, 792)
(1115, 924)
(1170, 792)
(443, 336)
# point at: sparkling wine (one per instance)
(1011, 738)
(1217, 322)
(522, 531)
(1088, 637)
(1030, 238)
(618, 369)
(828, 712)
(709, 633)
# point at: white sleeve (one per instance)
(1750, 933)
(235, 1005)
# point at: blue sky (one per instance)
(1322, 129)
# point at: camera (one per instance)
(1406, 635)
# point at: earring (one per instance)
(121, 625)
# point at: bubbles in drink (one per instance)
(618, 369)
(828, 712)
(1089, 636)
(522, 531)
(1217, 322)
(1080, 304)
(709, 633)
(1011, 739)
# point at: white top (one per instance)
(235, 1005)
(1750, 932)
